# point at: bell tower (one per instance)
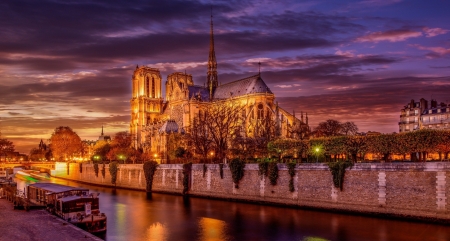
(146, 101)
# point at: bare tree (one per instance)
(349, 128)
(198, 136)
(335, 128)
(328, 128)
(223, 120)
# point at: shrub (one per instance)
(96, 169)
(291, 170)
(113, 168)
(103, 170)
(263, 168)
(204, 169)
(187, 169)
(273, 172)
(337, 169)
(237, 171)
(221, 170)
(149, 172)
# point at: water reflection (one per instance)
(157, 232)
(131, 216)
(212, 229)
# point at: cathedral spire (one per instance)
(212, 80)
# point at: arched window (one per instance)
(153, 88)
(147, 86)
(260, 111)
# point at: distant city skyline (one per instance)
(70, 63)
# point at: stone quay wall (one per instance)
(410, 190)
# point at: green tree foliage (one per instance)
(65, 144)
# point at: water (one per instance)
(131, 216)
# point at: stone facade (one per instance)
(415, 190)
(418, 115)
(184, 101)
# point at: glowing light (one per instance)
(157, 231)
(212, 229)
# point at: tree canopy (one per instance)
(65, 144)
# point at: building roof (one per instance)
(56, 188)
(250, 85)
(198, 92)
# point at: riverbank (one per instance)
(412, 191)
(37, 225)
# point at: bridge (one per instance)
(40, 166)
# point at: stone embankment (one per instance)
(411, 190)
(37, 225)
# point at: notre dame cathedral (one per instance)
(153, 116)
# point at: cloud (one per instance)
(391, 36)
(283, 86)
(436, 52)
(431, 32)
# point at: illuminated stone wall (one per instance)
(418, 190)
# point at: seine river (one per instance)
(131, 216)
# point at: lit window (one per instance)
(153, 88)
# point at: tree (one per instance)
(198, 136)
(65, 143)
(328, 128)
(121, 140)
(356, 145)
(223, 119)
(349, 128)
(101, 149)
(5, 146)
(37, 154)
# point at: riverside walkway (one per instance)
(37, 225)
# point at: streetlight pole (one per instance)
(317, 154)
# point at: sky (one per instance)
(69, 62)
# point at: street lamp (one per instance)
(317, 154)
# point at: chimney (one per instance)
(423, 104)
(433, 103)
(411, 105)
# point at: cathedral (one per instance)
(153, 116)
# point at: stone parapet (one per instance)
(417, 190)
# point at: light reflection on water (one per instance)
(131, 216)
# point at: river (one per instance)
(131, 216)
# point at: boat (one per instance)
(73, 204)
(31, 175)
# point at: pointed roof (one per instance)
(250, 85)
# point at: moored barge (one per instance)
(73, 204)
